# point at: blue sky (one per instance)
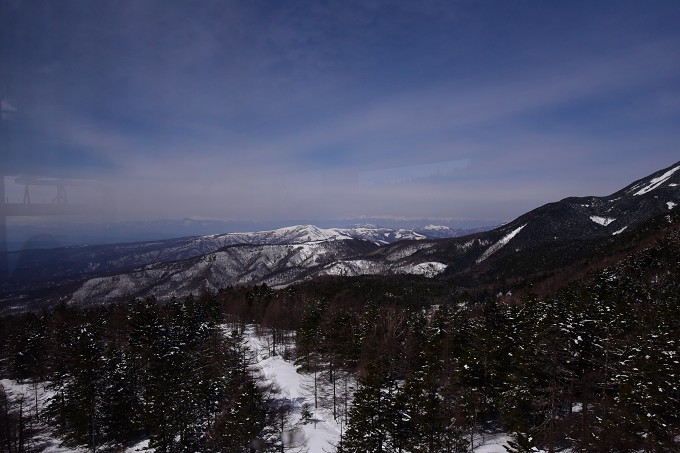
(274, 110)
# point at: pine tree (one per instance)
(239, 424)
(373, 417)
(120, 407)
(28, 360)
(75, 407)
(427, 423)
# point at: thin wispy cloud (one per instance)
(339, 109)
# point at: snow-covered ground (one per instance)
(322, 432)
(36, 397)
(428, 269)
(491, 443)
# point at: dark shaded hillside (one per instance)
(552, 237)
(561, 261)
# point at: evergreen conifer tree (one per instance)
(373, 417)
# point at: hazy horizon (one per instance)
(34, 232)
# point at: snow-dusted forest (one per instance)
(357, 366)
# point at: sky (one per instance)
(330, 110)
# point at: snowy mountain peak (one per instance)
(302, 234)
(435, 228)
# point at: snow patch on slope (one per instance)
(670, 205)
(498, 245)
(619, 231)
(351, 268)
(404, 251)
(656, 182)
(428, 269)
(604, 221)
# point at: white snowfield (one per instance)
(671, 205)
(435, 228)
(498, 245)
(351, 268)
(604, 221)
(656, 182)
(322, 432)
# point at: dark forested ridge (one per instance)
(594, 366)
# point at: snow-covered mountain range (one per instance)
(36, 233)
(279, 256)
(550, 237)
(81, 260)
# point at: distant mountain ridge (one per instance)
(37, 235)
(70, 262)
(539, 242)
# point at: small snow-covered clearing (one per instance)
(321, 433)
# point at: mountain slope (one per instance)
(174, 266)
(73, 262)
(274, 264)
(543, 241)
(549, 237)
